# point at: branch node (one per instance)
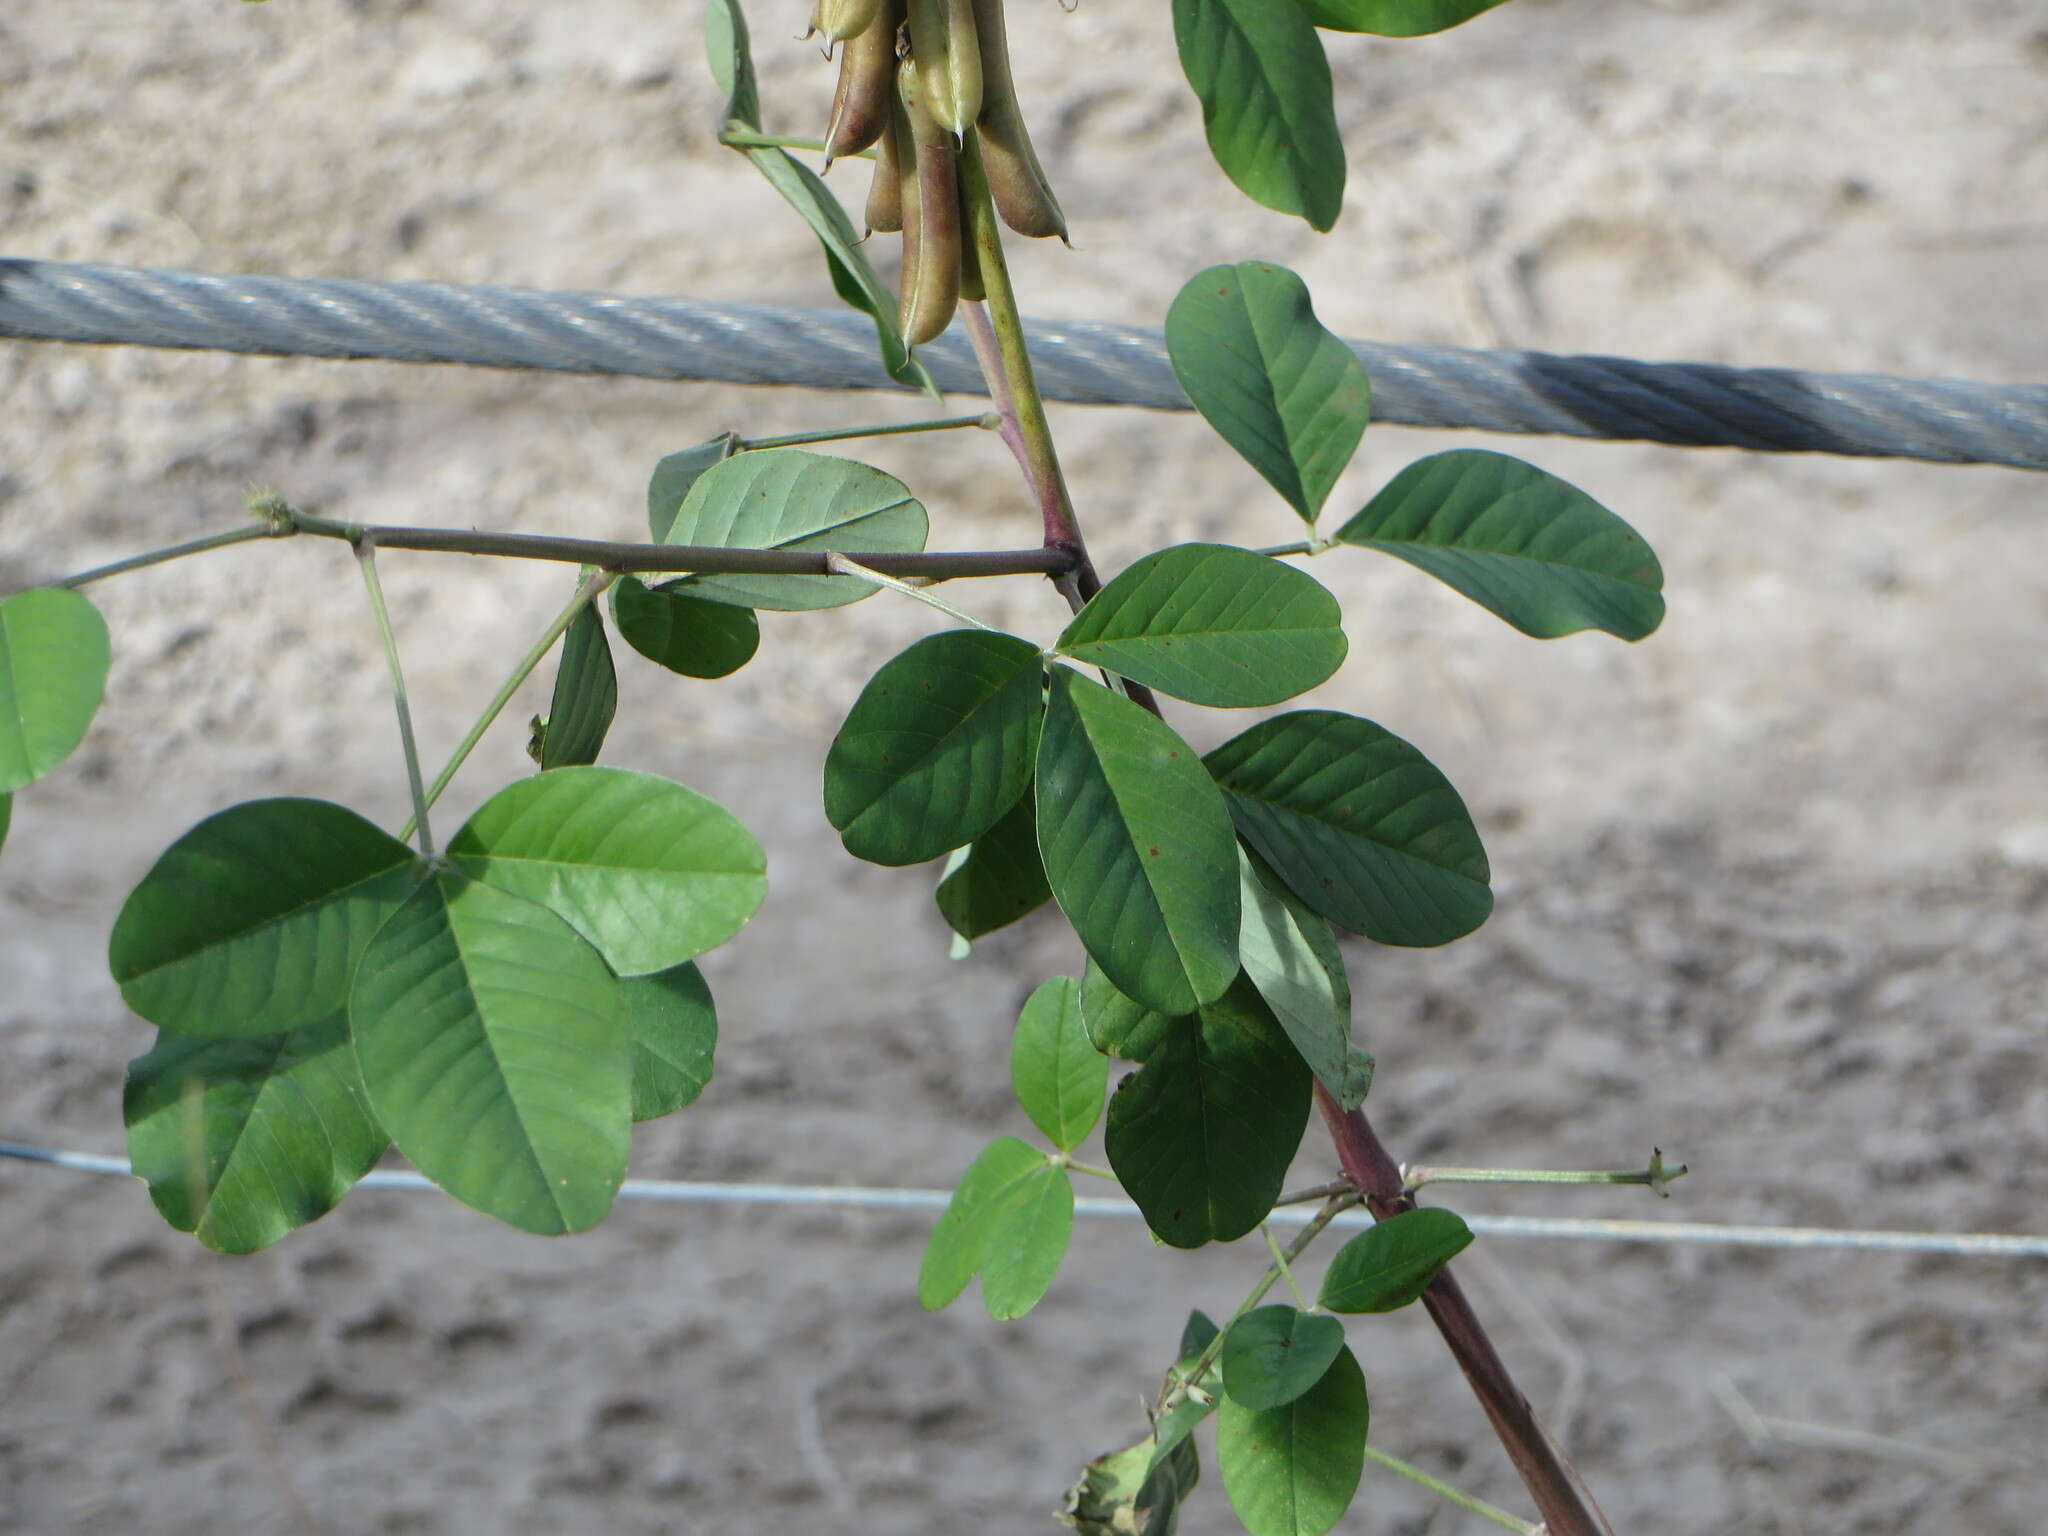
(1662, 1175)
(279, 518)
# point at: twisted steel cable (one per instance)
(1694, 405)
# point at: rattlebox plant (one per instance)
(501, 1006)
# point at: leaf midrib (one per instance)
(959, 724)
(14, 718)
(526, 1140)
(1352, 833)
(275, 920)
(1396, 546)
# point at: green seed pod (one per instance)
(948, 59)
(972, 288)
(1022, 194)
(907, 219)
(867, 80)
(841, 19)
(931, 216)
(885, 192)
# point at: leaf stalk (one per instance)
(846, 565)
(988, 421)
(1308, 546)
(738, 135)
(1659, 1176)
(591, 587)
(212, 541)
(1092, 1170)
(1443, 1490)
(1332, 1209)
(1280, 1263)
(1315, 1192)
(366, 560)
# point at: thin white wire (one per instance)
(1989, 1245)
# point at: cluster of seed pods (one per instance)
(915, 77)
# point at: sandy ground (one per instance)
(1772, 883)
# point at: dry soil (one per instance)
(1772, 884)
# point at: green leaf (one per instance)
(785, 498)
(1024, 1241)
(1059, 1077)
(1258, 69)
(1292, 958)
(690, 635)
(586, 697)
(675, 474)
(252, 922)
(1391, 1263)
(1394, 18)
(1213, 625)
(1137, 1491)
(1274, 1354)
(495, 1049)
(651, 873)
(1521, 543)
(240, 1141)
(1282, 390)
(53, 670)
(1292, 1471)
(1361, 826)
(1117, 1026)
(6, 817)
(853, 278)
(1179, 1421)
(1359, 1067)
(732, 65)
(674, 1029)
(1001, 878)
(732, 61)
(1172, 1478)
(1201, 1135)
(937, 747)
(953, 1253)
(1137, 847)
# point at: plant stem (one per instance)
(1314, 544)
(997, 333)
(846, 565)
(366, 558)
(681, 559)
(998, 338)
(1457, 1496)
(1315, 1192)
(1280, 1263)
(1657, 1176)
(591, 587)
(1565, 1509)
(988, 421)
(1091, 1170)
(175, 552)
(1337, 1205)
